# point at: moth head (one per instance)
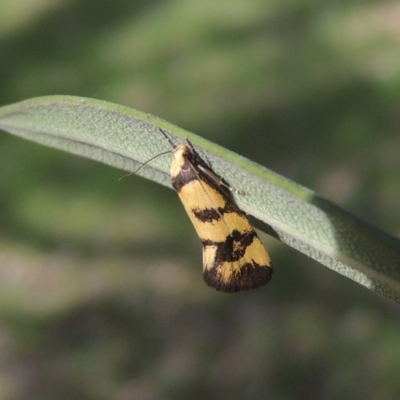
(183, 158)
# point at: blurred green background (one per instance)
(102, 295)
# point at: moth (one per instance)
(234, 258)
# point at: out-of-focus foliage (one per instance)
(102, 295)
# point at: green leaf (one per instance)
(126, 138)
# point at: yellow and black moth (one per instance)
(234, 258)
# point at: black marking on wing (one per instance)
(233, 247)
(215, 214)
(250, 276)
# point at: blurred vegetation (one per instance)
(101, 289)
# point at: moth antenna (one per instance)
(168, 138)
(191, 145)
(145, 163)
(154, 157)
